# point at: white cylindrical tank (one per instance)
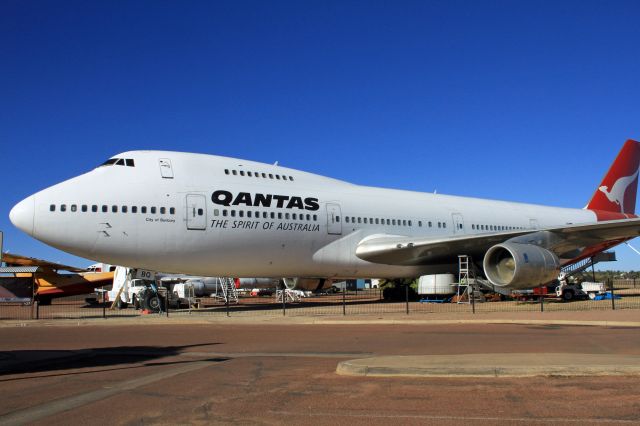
(436, 284)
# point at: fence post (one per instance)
(406, 297)
(37, 310)
(542, 303)
(344, 299)
(472, 295)
(634, 283)
(613, 299)
(284, 300)
(226, 302)
(104, 304)
(166, 304)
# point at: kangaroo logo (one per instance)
(616, 194)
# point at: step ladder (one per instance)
(229, 291)
(584, 264)
(466, 279)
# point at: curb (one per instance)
(493, 365)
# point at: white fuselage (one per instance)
(212, 216)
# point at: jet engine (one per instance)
(519, 266)
(307, 284)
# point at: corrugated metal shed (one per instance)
(18, 269)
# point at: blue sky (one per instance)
(514, 100)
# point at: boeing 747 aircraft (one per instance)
(214, 216)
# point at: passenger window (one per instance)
(430, 224)
(279, 215)
(241, 213)
(124, 209)
(163, 210)
(291, 178)
(143, 209)
(315, 217)
(273, 215)
(249, 214)
(286, 215)
(172, 210)
(265, 215)
(200, 212)
(294, 216)
(84, 208)
(94, 208)
(409, 223)
(235, 173)
(241, 172)
(226, 171)
(420, 223)
(346, 219)
(249, 174)
(74, 207)
(105, 209)
(233, 213)
(264, 175)
(270, 176)
(52, 208)
(359, 220)
(224, 213)
(216, 212)
(63, 207)
(308, 217)
(444, 224)
(134, 209)
(365, 220)
(284, 177)
(114, 209)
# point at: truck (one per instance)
(584, 290)
(148, 290)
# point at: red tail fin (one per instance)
(617, 192)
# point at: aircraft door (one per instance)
(166, 170)
(458, 223)
(334, 219)
(196, 211)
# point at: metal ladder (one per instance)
(466, 278)
(229, 291)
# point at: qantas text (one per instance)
(226, 198)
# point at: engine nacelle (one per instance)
(307, 284)
(520, 266)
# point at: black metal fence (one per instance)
(620, 294)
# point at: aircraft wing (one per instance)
(566, 242)
(17, 260)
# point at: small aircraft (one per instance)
(49, 283)
(208, 215)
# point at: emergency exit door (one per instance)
(334, 219)
(196, 211)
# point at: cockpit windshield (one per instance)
(119, 162)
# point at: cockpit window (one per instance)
(119, 162)
(109, 162)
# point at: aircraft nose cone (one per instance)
(22, 214)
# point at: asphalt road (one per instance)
(275, 374)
